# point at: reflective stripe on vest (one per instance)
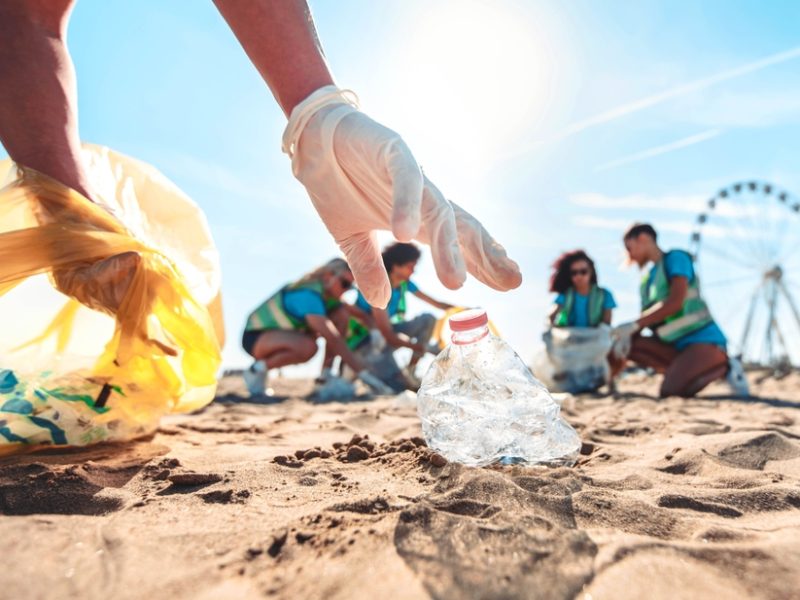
(693, 314)
(596, 299)
(273, 315)
(356, 333)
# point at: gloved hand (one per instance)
(362, 177)
(621, 336)
(376, 384)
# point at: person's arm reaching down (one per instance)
(678, 288)
(424, 297)
(394, 339)
(360, 175)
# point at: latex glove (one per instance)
(362, 177)
(376, 384)
(622, 335)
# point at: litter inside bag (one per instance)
(110, 313)
(574, 358)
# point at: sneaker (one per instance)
(255, 378)
(737, 378)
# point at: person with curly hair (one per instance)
(581, 302)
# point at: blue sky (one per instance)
(557, 123)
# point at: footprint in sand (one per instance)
(484, 536)
(41, 489)
(757, 451)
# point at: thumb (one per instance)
(364, 257)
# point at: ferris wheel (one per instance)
(746, 245)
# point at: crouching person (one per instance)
(390, 328)
(284, 328)
(687, 345)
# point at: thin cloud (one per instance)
(683, 227)
(681, 90)
(649, 101)
(663, 149)
(691, 203)
(617, 224)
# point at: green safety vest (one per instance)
(596, 299)
(272, 314)
(400, 315)
(693, 315)
(357, 333)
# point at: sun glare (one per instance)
(481, 72)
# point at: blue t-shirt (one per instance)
(391, 308)
(301, 303)
(676, 264)
(579, 316)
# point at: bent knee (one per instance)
(693, 386)
(308, 348)
(427, 319)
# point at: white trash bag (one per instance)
(574, 358)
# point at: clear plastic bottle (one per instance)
(480, 404)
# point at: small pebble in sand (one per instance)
(356, 453)
(437, 460)
(287, 461)
(190, 479)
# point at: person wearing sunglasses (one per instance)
(686, 346)
(580, 301)
(284, 328)
(390, 328)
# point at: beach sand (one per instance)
(670, 499)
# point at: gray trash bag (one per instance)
(574, 358)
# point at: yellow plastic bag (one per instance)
(110, 313)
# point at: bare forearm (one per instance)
(334, 343)
(678, 288)
(338, 346)
(280, 39)
(554, 313)
(442, 305)
(38, 97)
(658, 312)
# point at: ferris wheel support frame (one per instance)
(771, 286)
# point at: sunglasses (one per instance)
(346, 284)
(579, 272)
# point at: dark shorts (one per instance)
(249, 340)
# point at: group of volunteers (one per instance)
(283, 329)
(685, 344)
(361, 177)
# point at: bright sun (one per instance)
(478, 75)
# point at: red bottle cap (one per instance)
(469, 319)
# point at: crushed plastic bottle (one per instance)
(480, 404)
